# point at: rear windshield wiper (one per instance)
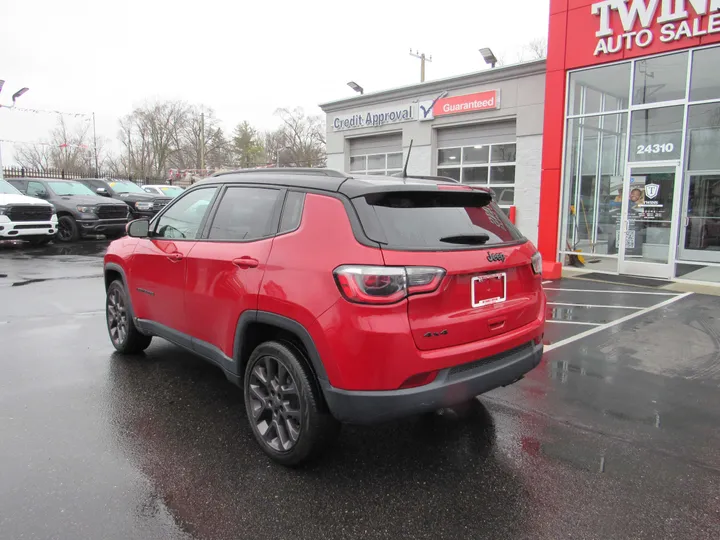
(470, 239)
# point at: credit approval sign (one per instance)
(480, 101)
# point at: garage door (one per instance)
(376, 155)
(481, 154)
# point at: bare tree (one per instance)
(188, 140)
(304, 137)
(150, 137)
(68, 148)
(34, 156)
(536, 49)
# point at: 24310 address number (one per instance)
(666, 148)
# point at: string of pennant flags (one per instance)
(87, 116)
(54, 145)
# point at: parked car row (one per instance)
(43, 209)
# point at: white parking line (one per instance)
(608, 291)
(544, 282)
(592, 305)
(602, 327)
(573, 322)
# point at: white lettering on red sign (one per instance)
(481, 101)
(675, 20)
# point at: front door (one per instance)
(649, 219)
(700, 233)
(159, 264)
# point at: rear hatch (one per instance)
(490, 286)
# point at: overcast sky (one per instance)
(244, 59)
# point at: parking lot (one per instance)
(614, 435)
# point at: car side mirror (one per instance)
(101, 191)
(139, 228)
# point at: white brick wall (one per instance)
(527, 185)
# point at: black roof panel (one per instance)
(329, 180)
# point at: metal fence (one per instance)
(62, 174)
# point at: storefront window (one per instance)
(705, 78)
(663, 78)
(377, 164)
(599, 90)
(595, 162)
(489, 164)
(704, 137)
(656, 134)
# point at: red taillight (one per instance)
(386, 284)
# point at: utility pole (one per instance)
(97, 169)
(423, 59)
(202, 141)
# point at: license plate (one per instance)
(489, 289)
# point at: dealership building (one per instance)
(631, 146)
(484, 128)
(608, 153)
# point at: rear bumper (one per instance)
(451, 387)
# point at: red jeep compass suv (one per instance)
(331, 298)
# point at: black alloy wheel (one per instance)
(117, 316)
(67, 229)
(285, 406)
(275, 404)
(125, 336)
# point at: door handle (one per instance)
(175, 257)
(246, 262)
(687, 221)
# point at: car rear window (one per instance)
(432, 220)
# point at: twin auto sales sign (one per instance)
(598, 31)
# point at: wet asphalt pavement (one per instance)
(615, 435)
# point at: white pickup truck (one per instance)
(25, 218)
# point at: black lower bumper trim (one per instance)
(451, 387)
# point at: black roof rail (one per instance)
(289, 171)
(419, 177)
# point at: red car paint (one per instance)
(201, 288)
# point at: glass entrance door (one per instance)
(700, 234)
(648, 220)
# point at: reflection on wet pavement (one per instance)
(612, 436)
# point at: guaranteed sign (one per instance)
(375, 118)
(480, 101)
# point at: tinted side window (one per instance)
(35, 188)
(244, 214)
(292, 211)
(182, 220)
(19, 185)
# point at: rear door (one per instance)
(490, 286)
(226, 268)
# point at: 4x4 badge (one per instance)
(496, 257)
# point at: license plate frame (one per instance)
(488, 301)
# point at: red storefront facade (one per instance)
(630, 102)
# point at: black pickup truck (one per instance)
(80, 212)
(141, 203)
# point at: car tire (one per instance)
(124, 335)
(39, 240)
(67, 229)
(284, 405)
